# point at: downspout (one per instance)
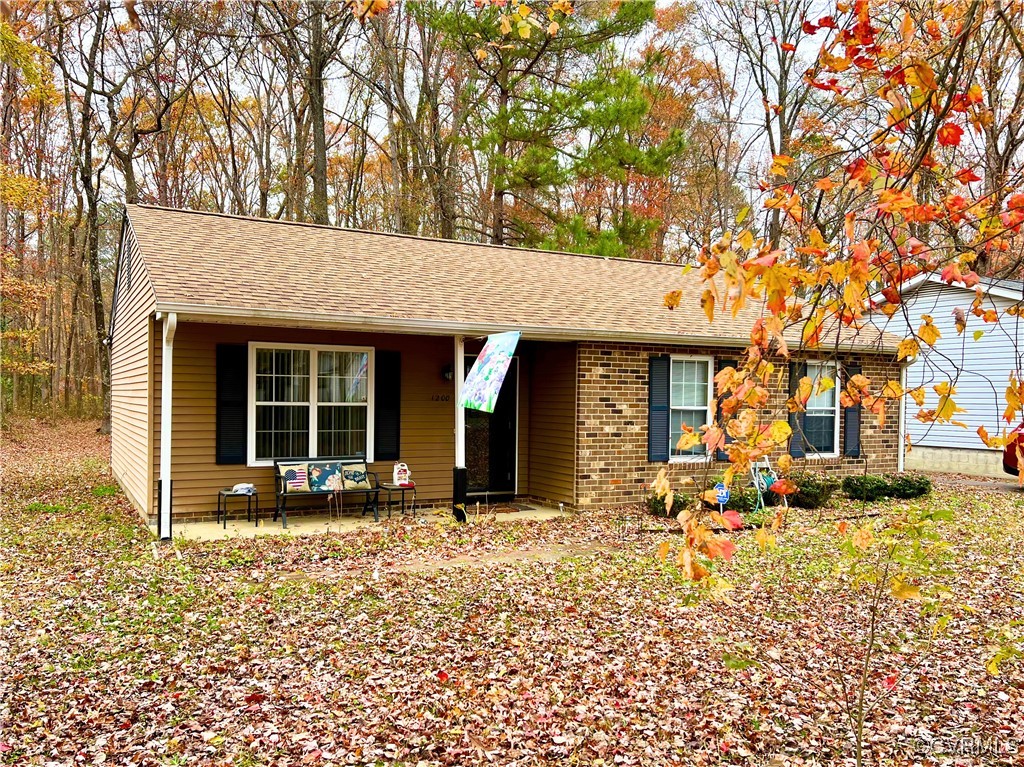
(901, 455)
(170, 323)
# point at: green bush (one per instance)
(741, 499)
(865, 487)
(872, 487)
(813, 490)
(656, 505)
(908, 485)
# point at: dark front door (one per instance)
(491, 441)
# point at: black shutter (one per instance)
(723, 455)
(387, 405)
(797, 370)
(657, 408)
(232, 387)
(851, 421)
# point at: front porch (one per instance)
(316, 524)
(239, 394)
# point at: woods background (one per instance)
(619, 128)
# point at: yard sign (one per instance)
(480, 392)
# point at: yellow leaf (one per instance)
(824, 384)
(553, 28)
(481, 54)
(892, 390)
(785, 463)
(928, 332)
(673, 299)
(707, 303)
(688, 440)
(524, 29)
(903, 590)
(917, 395)
(742, 215)
(779, 432)
(524, 10)
(764, 539)
(978, 334)
(506, 24)
(746, 240)
(907, 348)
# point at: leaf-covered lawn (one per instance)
(429, 643)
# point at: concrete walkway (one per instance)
(310, 524)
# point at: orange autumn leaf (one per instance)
(949, 134)
(783, 487)
(663, 550)
(716, 546)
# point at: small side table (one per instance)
(222, 505)
(391, 487)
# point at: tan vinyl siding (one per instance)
(552, 422)
(428, 413)
(130, 372)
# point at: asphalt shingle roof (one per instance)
(214, 263)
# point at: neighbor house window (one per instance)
(690, 395)
(821, 421)
(310, 401)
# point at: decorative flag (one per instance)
(480, 392)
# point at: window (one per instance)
(821, 421)
(690, 394)
(313, 401)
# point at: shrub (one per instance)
(865, 487)
(813, 490)
(872, 487)
(908, 485)
(741, 499)
(656, 505)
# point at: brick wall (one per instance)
(611, 415)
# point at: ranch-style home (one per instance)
(237, 341)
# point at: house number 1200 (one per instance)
(441, 398)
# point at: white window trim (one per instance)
(838, 409)
(696, 458)
(314, 350)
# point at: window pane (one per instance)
(819, 432)
(817, 371)
(264, 362)
(690, 383)
(342, 376)
(282, 431)
(341, 431)
(692, 418)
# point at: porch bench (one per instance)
(301, 477)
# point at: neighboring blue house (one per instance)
(979, 368)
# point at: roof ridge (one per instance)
(418, 237)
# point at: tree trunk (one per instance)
(315, 89)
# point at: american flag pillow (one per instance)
(296, 477)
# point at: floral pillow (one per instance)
(355, 476)
(325, 477)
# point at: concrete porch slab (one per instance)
(321, 523)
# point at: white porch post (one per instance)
(460, 412)
(166, 371)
